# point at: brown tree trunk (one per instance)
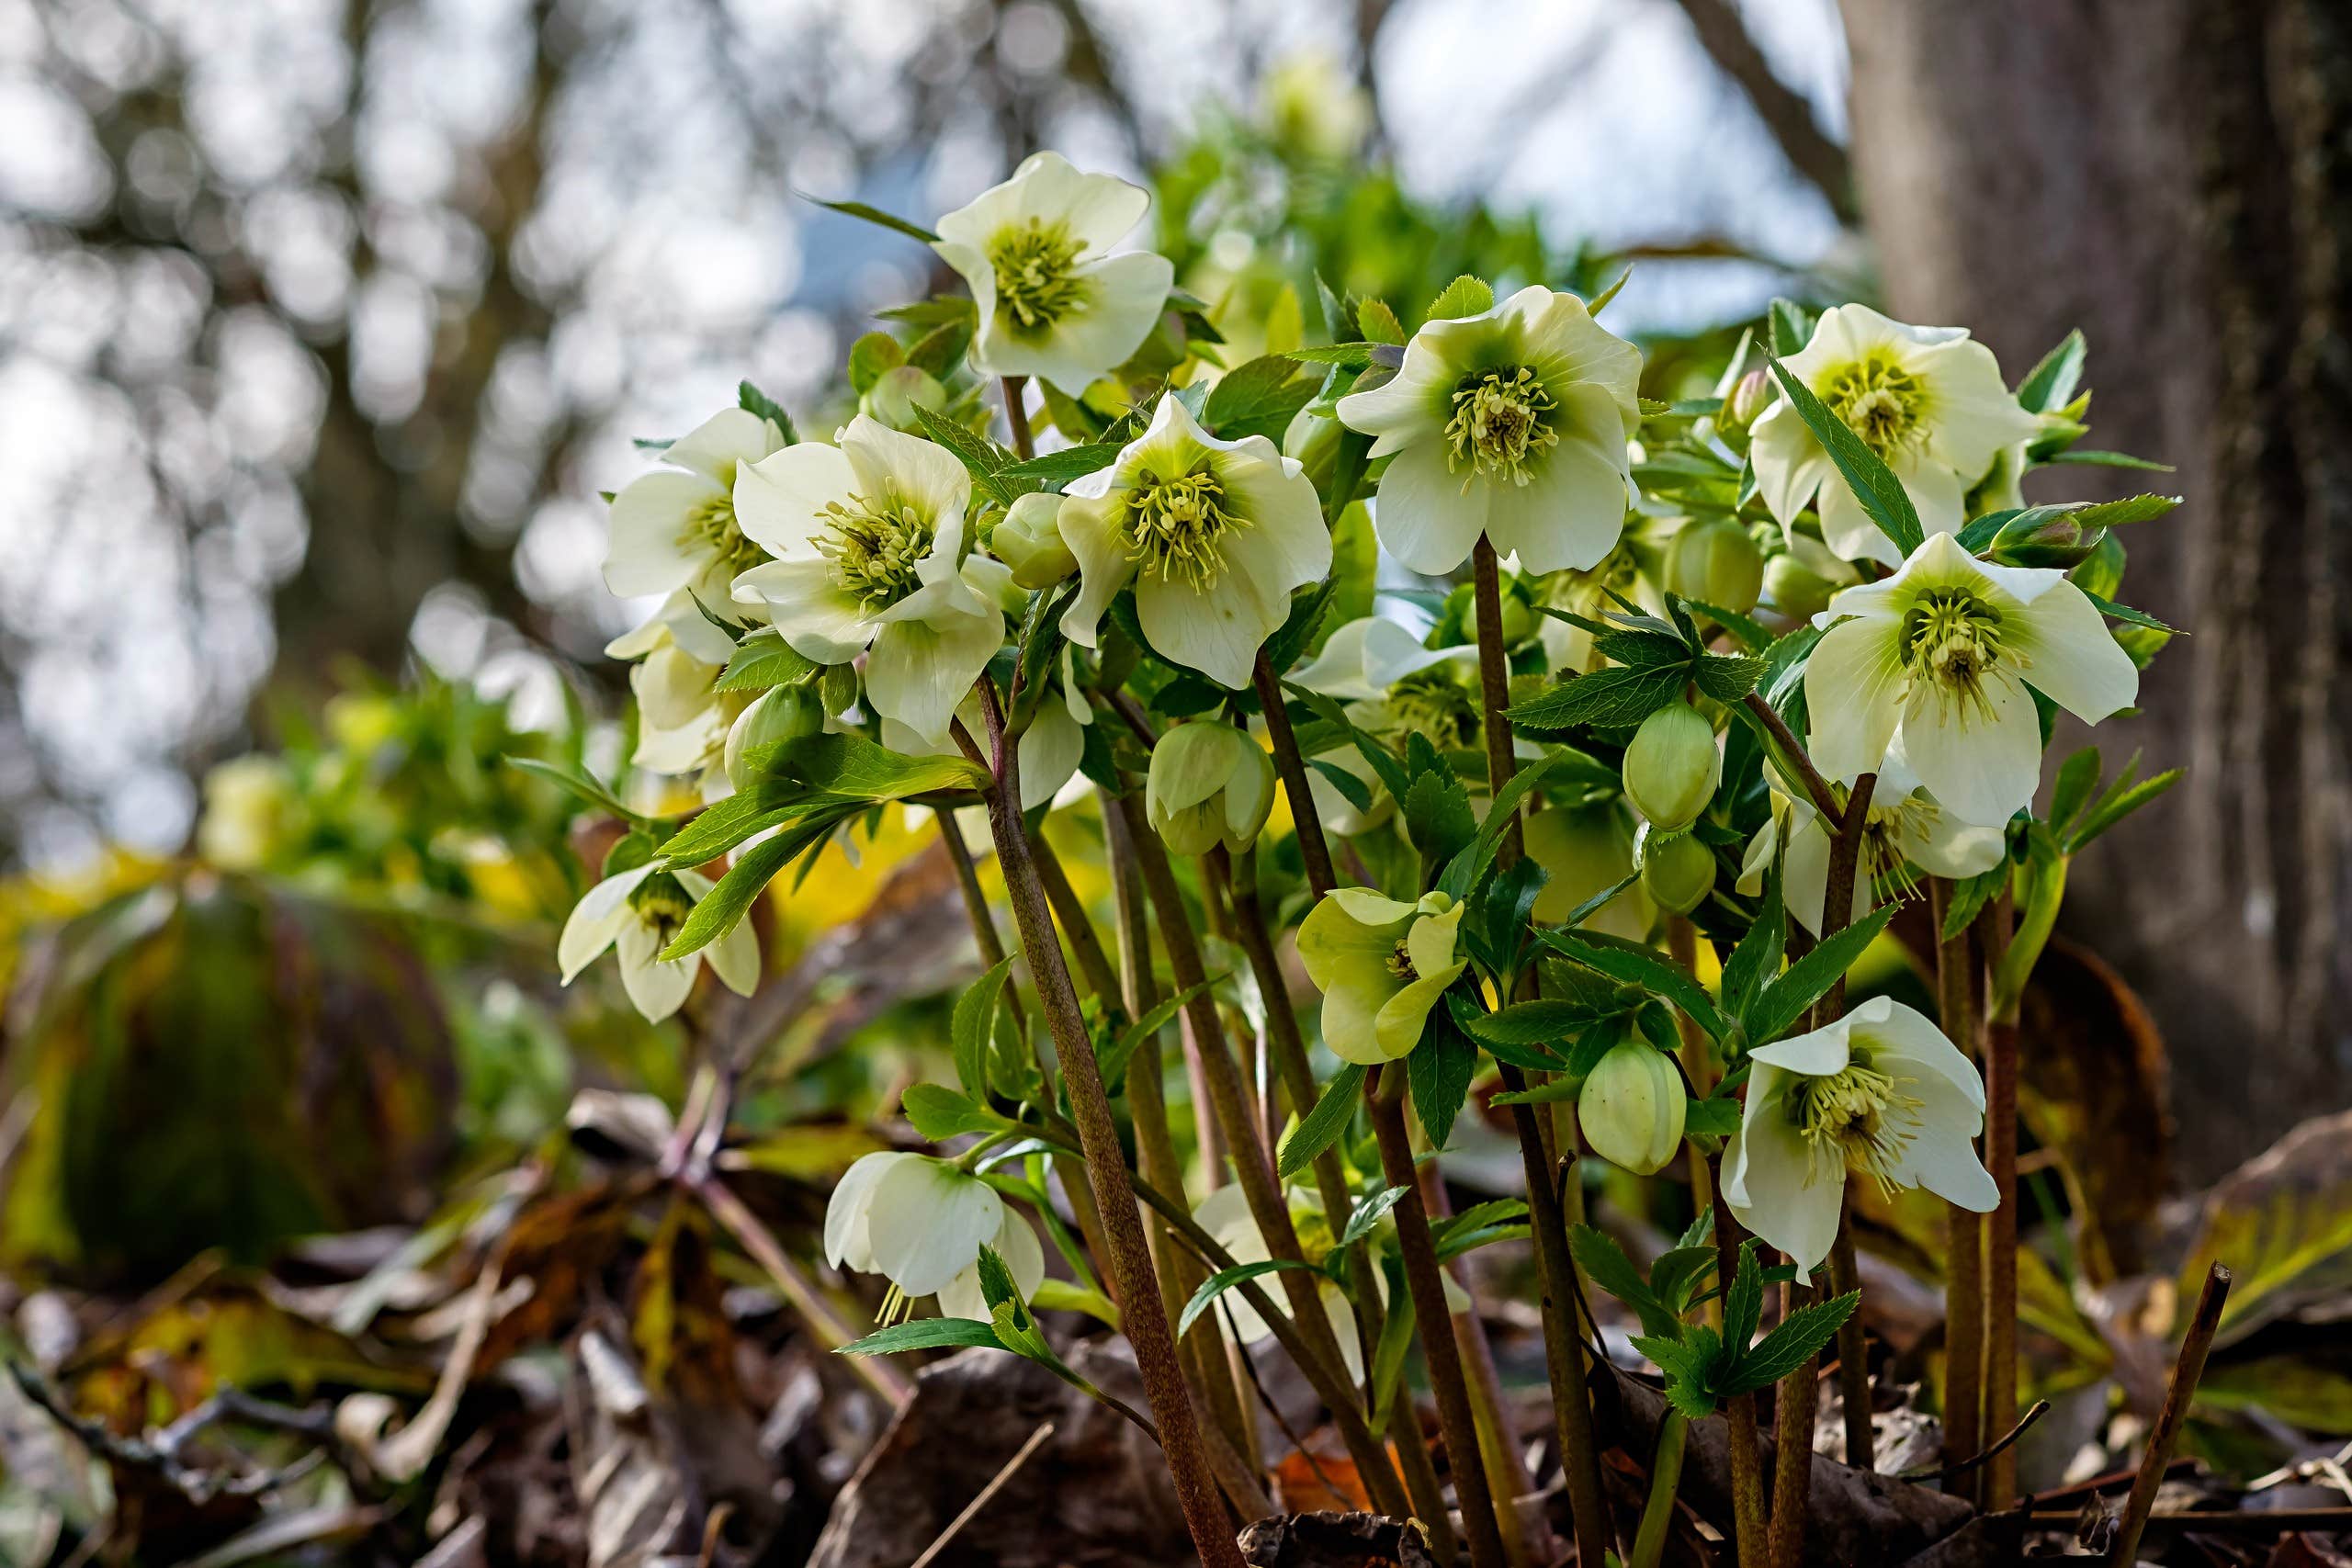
(2174, 176)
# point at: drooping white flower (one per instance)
(1054, 302)
(681, 722)
(1224, 1214)
(1568, 647)
(1514, 424)
(1209, 784)
(1880, 1092)
(1381, 965)
(869, 540)
(1905, 827)
(1943, 650)
(1586, 850)
(920, 1223)
(673, 530)
(1929, 401)
(1215, 535)
(640, 911)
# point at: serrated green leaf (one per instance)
(1438, 814)
(2131, 509)
(2118, 805)
(2108, 460)
(981, 457)
(1727, 679)
(1716, 1118)
(1642, 966)
(1541, 1021)
(1465, 296)
(1378, 323)
(1321, 1127)
(1743, 1302)
(1872, 482)
(971, 1024)
(719, 828)
(762, 661)
(938, 1112)
(2135, 617)
(1354, 356)
(577, 783)
(1750, 632)
(752, 401)
(851, 768)
(1613, 698)
(1060, 467)
(874, 215)
(1806, 982)
(753, 869)
(1439, 1070)
(1795, 1342)
(2078, 777)
(1757, 958)
(1258, 398)
(1368, 1213)
(1969, 898)
(925, 1334)
(1225, 1280)
(1789, 329)
(1606, 1265)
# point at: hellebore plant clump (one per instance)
(1729, 681)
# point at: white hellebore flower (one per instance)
(1512, 424)
(1224, 1214)
(640, 912)
(869, 541)
(674, 529)
(1904, 828)
(1053, 301)
(1215, 535)
(1929, 401)
(1881, 1092)
(921, 1223)
(1944, 650)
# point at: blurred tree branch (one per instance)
(1785, 110)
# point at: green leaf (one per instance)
(1378, 323)
(1796, 1342)
(1758, 957)
(2050, 384)
(1790, 328)
(1969, 897)
(1259, 397)
(1321, 1127)
(1600, 302)
(869, 357)
(752, 401)
(1613, 698)
(1438, 816)
(719, 828)
(2125, 613)
(1642, 966)
(1743, 1304)
(761, 660)
(1872, 482)
(577, 783)
(938, 1112)
(876, 216)
(2118, 804)
(925, 1334)
(1750, 632)
(1114, 1061)
(1465, 296)
(2078, 777)
(753, 869)
(1225, 1280)
(1382, 760)
(1354, 790)
(1717, 1117)
(981, 457)
(2131, 509)
(1439, 1070)
(1552, 1092)
(1605, 1263)
(2097, 459)
(1543, 1020)
(1725, 679)
(1807, 980)
(1368, 1213)
(1308, 605)
(851, 768)
(1060, 467)
(1354, 356)
(971, 1024)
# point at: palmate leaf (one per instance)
(1642, 966)
(1794, 1342)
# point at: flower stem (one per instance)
(1825, 799)
(1795, 1405)
(1385, 1093)
(1141, 1315)
(1665, 1474)
(2185, 1372)
(1853, 1355)
(1748, 1522)
(1494, 685)
(2000, 1476)
(1314, 848)
(1959, 977)
(1016, 414)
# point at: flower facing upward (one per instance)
(1053, 301)
(640, 911)
(1213, 533)
(921, 1222)
(1381, 965)
(1929, 401)
(869, 538)
(1943, 651)
(1880, 1092)
(675, 528)
(1512, 424)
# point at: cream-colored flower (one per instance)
(640, 912)
(1943, 651)
(1381, 965)
(921, 1222)
(1224, 1214)
(1054, 302)
(1209, 785)
(1215, 535)
(869, 541)
(1512, 424)
(1880, 1092)
(674, 529)
(1929, 401)
(1585, 850)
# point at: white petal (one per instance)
(846, 1244)
(1982, 765)
(1945, 846)
(1782, 1205)
(2073, 659)
(917, 672)
(1805, 874)
(1818, 1055)
(1940, 1156)
(1970, 414)
(1286, 539)
(927, 475)
(729, 438)
(926, 1222)
(1103, 568)
(780, 501)
(656, 985)
(1216, 632)
(1893, 1032)
(1849, 529)
(1338, 668)
(596, 920)
(1369, 909)
(1791, 466)
(649, 517)
(816, 619)
(1050, 752)
(1424, 514)
(1570, 514)
(1853, 694)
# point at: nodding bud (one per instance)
(1312, 441)
(781, 713)
(1632, 1108)
(1748, 399)
(898, 392)
(1717, 563)
(2044, 537)
(1209, 785)
(1029, 540)
(1672, 767)
(1797, 592)
(1678, 869)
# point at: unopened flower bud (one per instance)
(1029, 540)
(1747, 400)
(1672, 767)
(1678, 869)
(1716, 562)
(1209, 785)
(1797, 592)
(898, 392)
(1312, 441)
(780, 714)
(2045, 540)
(1632, 1108)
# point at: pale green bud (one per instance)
(1029, 540)
(1716, 562)
(1632, 1108)
(1209, 785)
(781, 713)
(1672, 767)
(1312, 441)
(898, 392)
(1798, 591)
(1747, 400)
(1678, 869)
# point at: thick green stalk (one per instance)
(1141, 1315)
(1665, 1474)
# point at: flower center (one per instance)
(709, 529)
(1170, 527)
(1885, 831)
(1400, 963)
(661, 902)
(1880, 401)
(1034, 282)
(1501, 420)
(1434, 703)
(1856, 1118)
(873, 545)
(1952, 638)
